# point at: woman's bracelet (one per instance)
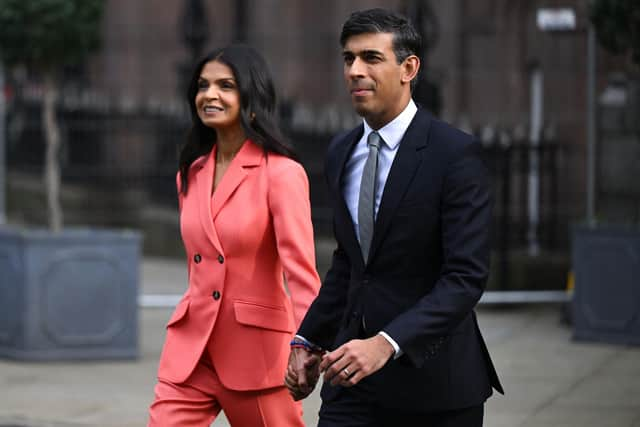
(298, 343)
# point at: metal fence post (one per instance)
(591, 125)
(535, 129)
(505, 234)
(3, 147)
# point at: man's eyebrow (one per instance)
(363, 52)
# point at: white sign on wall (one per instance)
(561, 19)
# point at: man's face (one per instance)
(376, 82)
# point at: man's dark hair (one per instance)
(406, 40)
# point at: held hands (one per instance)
(346, 365)
(355, 360)
(303, 372)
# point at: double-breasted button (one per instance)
(197, 258)
(220, 259)
(216, 295)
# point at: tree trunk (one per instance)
(52, 164)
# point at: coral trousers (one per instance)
(199, 400)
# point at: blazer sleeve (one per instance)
(290, 208)
(321, 324)
(465, 218)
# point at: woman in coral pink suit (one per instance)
(246, 226)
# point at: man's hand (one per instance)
(303, 372)
(355, 360)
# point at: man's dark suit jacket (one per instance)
(427, 268)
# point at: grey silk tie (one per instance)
(366, 201)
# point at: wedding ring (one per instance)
(346, 371)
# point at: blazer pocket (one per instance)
(179, 312)
(263, 316)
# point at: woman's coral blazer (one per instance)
(251, 268)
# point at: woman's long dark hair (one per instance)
(257, 107)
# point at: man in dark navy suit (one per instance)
(393, 327)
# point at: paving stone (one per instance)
(550, 380)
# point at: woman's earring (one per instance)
(252, 116)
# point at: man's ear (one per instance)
(410, 68)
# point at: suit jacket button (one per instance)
(216, 295)
(220, 259)
(197, 258)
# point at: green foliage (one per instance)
(617, 24)
(47, 34)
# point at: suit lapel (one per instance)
(344, 222)
(205, 182)
(250, 155)
(402, 172)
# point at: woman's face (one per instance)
(218, 98)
